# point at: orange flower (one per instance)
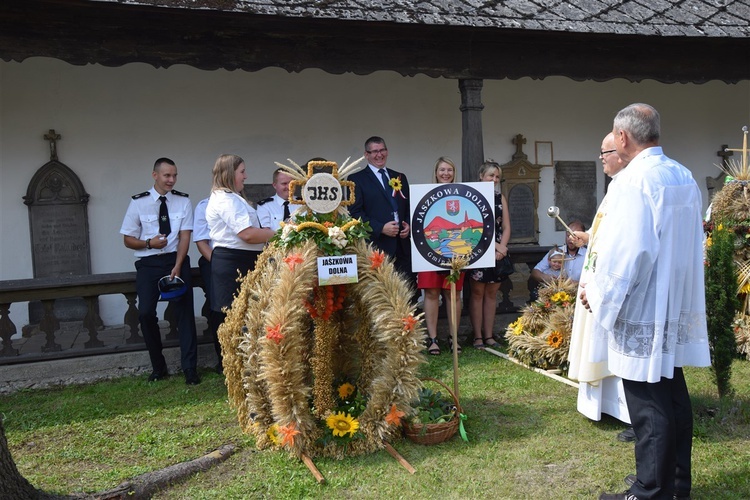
(394, 416)
(409, 323)
(274, 333)
(377, 258)
(328, 224)
(287, 434)
(293, 260)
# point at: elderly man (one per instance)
(646, 294)
(598, 391)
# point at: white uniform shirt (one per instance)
(142, 220)
(228, 214)
(200, 226)
(271, 212)
(647, 296)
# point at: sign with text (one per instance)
(337, 270)
(452, 219)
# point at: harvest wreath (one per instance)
(322, 370)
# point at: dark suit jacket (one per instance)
(372, 205)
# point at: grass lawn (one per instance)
(526, 440)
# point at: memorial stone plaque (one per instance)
(522, 207)
(59, 230)
(521, 189)
(575, 191)
(256, 192)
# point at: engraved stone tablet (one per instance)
(575, 191)
(59, 230)
(256, 192)
(522, 207)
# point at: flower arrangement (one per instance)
(342, 424)
(332, 233)
(741, 328)
(324, 371)
(727, 267)
(540, 337)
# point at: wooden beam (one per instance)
(113, 34)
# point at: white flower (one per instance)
(337, 236)
(288, 228)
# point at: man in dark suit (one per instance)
(386, 209)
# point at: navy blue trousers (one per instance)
(148, 272)
(662, 418)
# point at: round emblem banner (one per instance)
(452, 219)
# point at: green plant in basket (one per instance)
(433, 408)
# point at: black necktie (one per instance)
(164, 227)
(388, 189)
(286, 209)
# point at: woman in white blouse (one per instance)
(234, 229)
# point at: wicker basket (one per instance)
(435, 433)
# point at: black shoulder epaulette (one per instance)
(180, 193)
(265, 201)
(140, 195)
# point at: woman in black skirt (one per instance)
(486, 282)
(234, 229)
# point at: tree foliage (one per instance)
(721, 305)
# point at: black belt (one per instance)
(158, 256)
(234, 252)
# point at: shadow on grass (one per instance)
(35, 409)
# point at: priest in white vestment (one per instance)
(647, 298)
(598, 390)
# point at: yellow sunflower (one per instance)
(555, 339)
(273, 434)
(341, 424)
(517, 327)
(395, 183)
(345, 390)
(561, 297)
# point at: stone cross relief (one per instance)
(52, 137)
(519, 141)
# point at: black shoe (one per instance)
(626, 495)
(630, 480)
(191, 377)
(158, 375)
(627, 436)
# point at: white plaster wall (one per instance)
(115, 121)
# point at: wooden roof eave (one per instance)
(81, 32)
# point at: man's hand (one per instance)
(158, 241)
(404, 230)
(579, 238)
(390, 229)
(584, 301)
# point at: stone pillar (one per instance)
(472, 145)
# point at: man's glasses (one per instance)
(376, 151)
(609, 151)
